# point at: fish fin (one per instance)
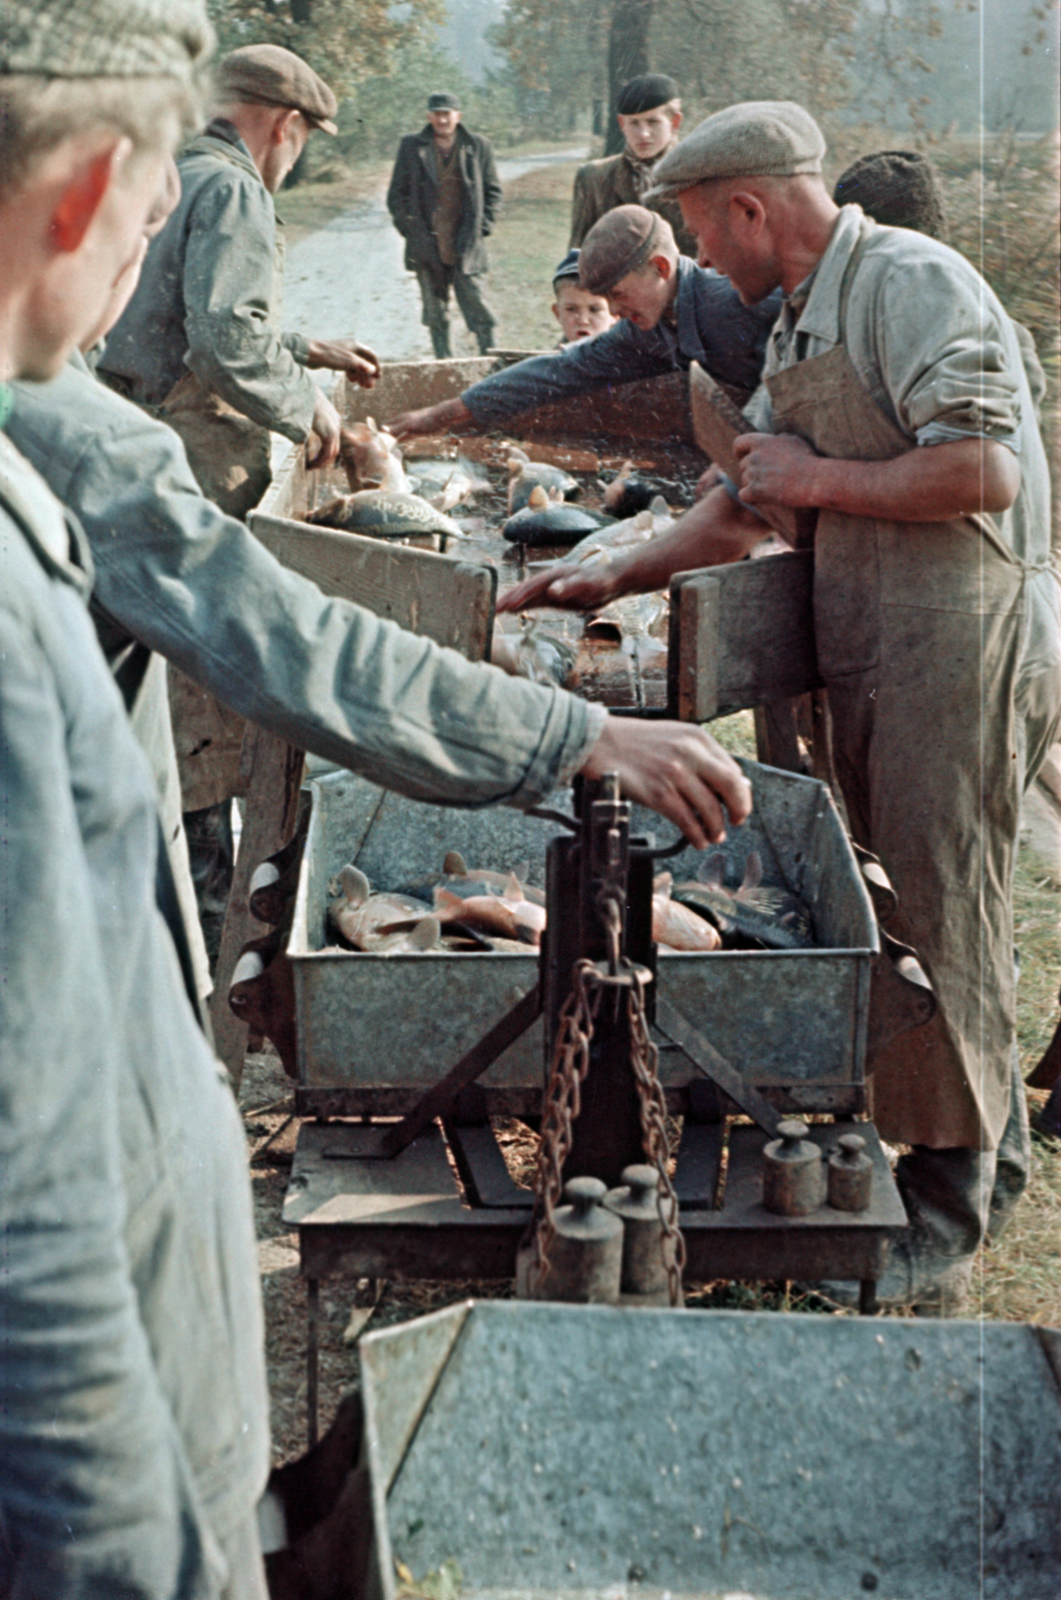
(522, 871)
(370, 424)
(446, 900)
(513, 889)
(713, 870)
(453, 864)
(354, 885)
(662, 883)
(517, 460)
(538, 499)
(753, 874)
(426, 934)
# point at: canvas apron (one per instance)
(919, 630)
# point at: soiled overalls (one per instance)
(920, 632)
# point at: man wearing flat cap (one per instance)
(200, 344)
(672, 313)
(896, 405)
(649, 112)
(443, 197)
(133, 1404)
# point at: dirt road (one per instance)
(349, 278)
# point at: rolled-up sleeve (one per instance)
(228, 287)
(95, 1494)
(942, 355)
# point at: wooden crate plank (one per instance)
(449, 601)
(742, 636)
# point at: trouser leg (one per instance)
(211, 855)
(1012, 1158)
(474, 309)
(434, 298)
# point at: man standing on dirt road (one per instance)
(444, 196)
(200, 345)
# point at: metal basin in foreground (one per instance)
(575, 1451)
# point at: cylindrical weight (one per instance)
(792, 1172)
(586, 1254)
(647, 1252)
(850, 1174)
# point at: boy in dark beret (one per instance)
(649, 113)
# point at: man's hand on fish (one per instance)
(327, 426)
(361, 365)
(444, 417)
(775, 469)
(566, 586)
(710, 479)
(677, 769)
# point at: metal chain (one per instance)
(561, 1106)
(644, 1060)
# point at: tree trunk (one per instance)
(627, 57)
(301, 10)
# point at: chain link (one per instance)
(644, 1060)
(563, 1102)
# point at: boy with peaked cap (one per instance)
(133, 1405)
(672, 313)
(200, 344)
(649, 112)
(579, 311)
(896, 403)
(443, 198)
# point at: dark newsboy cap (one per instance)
(443, 100)
(267, 74)
(620, 242)
(567, 271)
(645, 93)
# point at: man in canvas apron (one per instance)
(895, 379)
(936, 620)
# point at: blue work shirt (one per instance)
(710, 326)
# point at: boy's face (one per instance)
(643, 296)
(648, 133)
(579, 312)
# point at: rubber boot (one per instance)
(440, 341)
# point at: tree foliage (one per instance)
(345, 41)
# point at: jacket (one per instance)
(710, 326)
(602, 185)
(209, 297)
(133, 1404)
(413, 196)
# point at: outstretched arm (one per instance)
(712, 533)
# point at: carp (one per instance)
(367, 920)
(509, 915)
(533, 653)
(368, 454)
(627, 494)
(389, 512)
(676, 927)
(753, 914)
(612, 537)
(525, 475)
(445, 484)
(545, 521)
(460, 880)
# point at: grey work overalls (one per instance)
(920, 630)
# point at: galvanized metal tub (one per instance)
(391, 1025)
(548, 1451)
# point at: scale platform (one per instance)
(411, 1217)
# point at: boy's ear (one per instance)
(556, 310)
(676, 118)
(82, 196)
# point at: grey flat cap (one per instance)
(267, 74)
(620, 242)
(755, 139)
(104, 38)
